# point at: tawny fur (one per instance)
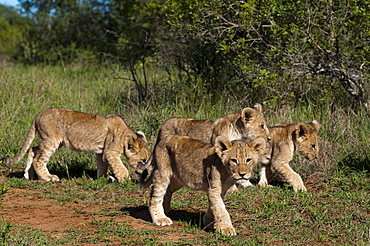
(108, 137)
(285, 139)
(246, 124)
(180, 161)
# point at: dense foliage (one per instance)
(12, 26)
(271, 51)
(272, 45)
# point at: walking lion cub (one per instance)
(285, 139)
(180, 161)
(248, 123)
(108, 137)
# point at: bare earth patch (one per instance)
(29, 208)
(85, 211)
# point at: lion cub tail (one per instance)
(26, 145)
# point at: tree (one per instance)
(138, 32)
(65, 30)
(11, 32)
(274, 45)
(328, 38)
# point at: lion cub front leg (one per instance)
(156, 202)
(217, 212)
(114, 160)
(290, 175)
(101, 165)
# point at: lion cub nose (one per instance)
(242, 174)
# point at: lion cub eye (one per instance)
(313, 146)
(248, 160)
(131, 148)
(235, 161)
(263, 127)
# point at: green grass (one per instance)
(14, 235)
(271, 216)
(335, 211)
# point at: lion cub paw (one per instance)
(52, 178)
(299, 188)
(265, 185)
(244, 183)
(165, 221)
(226, 231)
(233, 189)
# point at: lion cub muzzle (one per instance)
(141, 166)
(242, 175)
(243, 168)
(311, 157)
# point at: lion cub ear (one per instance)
(131, 141)
(248, 115)
(258, 107)
(259, 145)
(316, 124)
(301, 130)
(141, 135)
(221, 145)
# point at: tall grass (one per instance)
(25, 91)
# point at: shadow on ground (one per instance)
(142, 212)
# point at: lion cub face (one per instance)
(253, 120)
(307, 139)
(238, 156)
(137, 151)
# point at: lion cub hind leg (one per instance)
(41, 159)
(173, 187)
(265, 175)
(208, 219)
(163, 221)
(101, 165)
(227, 231)
(29, 172)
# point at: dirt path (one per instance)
(29, 208)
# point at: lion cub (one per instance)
(285, 139)
(249, 123)
(182, 161)
(108, 137)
